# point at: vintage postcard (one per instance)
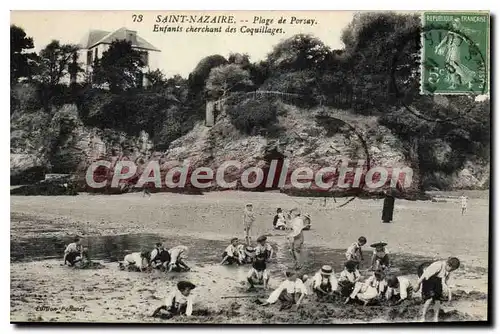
(267, 167)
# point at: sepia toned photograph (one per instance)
(250, 167)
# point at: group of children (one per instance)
(380, 285)
(282, 221)
(159, 258)
(432, 279)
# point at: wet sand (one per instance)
(205, 223)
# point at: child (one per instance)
(324, 282)
(135, 261)
(264, 248)
(258, 274)
(380, 257)
(371, 289)
(246, 254)
(73, 252)
(434, 279)
(290, 292)
(231, 255)
(159, 257)
(398, 288)
(177, 256)
(279, 222)
(354, 252)
(348, 278)
(248, 219)
(179, 301)
(464, 203)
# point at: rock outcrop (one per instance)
(58, 142)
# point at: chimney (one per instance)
(131, 36)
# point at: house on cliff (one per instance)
(96, 42)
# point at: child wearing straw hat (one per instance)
(380, 257)
(324, 282)
(246, 254)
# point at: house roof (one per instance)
(96, 37)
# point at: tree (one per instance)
(373, 43)
(120, 67)
(241, 59)
(55, 62)
(156, 79)
(21, 63)
(227, 78)
(299, 52)
(199, 76)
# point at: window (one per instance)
(145, 58)
(132, 37)
(96, 54)
(89, 57)
(139, 80)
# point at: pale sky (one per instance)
(181, 51)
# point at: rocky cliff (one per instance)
(58, 142)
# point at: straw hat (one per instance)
(249, 250)
(326, 270)
(378, 245)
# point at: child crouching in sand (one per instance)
(348, 278)
(259, 273)
(370, 290)
(324, 283)
(231, 254)
(289, 293)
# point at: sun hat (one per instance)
(326, 270)
(378, 244)
(261, 238)
(249, 250)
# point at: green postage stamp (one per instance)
(455, 53)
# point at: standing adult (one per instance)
(296, 237)
(388, 210)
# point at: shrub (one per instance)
(252, 115)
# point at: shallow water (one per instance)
(201, 251)
(112, 248)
